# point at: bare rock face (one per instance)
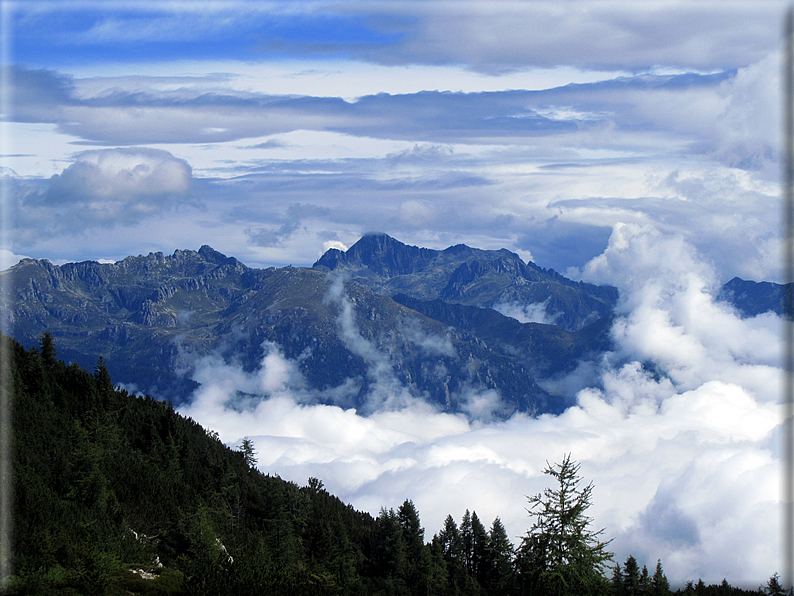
(379, 322)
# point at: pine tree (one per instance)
(631, 577)
(47, 347)
(102, 377)
(467, 541)
(659, 584)
(388, 556)
(560, 554)
(247, 449)
(773, 587)
(479, 542)
(417, 565)
(450, 540)
(645, 582)
(500, 559)
(413, 532)
(618, 586)
(700, 587)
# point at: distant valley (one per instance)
(380, 320)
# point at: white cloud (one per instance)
(133, 173)
(329, 244)
(9, 259)
(671, 318)
(113, 186)
(749, 128)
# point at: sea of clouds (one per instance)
(679, 434)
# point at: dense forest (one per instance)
(116, 494)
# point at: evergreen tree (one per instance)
(102, 377)
(417, 565)
(451, 545)
(247, 449)
(645, 582)
(773, 587)
(450, 540)
(618, 586)
(412, 531)
(388, 552)
(500, 560)
(560, 554)
(467, 541)
(659, 584)
(47, 348)
(479, 544)
(725, 588)
(700, 587)
(631, 577)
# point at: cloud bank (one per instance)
(680, 435)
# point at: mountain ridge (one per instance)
(151, 316)
(470, 276)
(350, 331)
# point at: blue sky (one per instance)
(619, 142)
(410, 108)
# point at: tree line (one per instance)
(116, 494)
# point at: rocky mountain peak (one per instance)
(471, 276)
(381, 254)
(213, 256)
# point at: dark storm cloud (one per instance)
(663, 519)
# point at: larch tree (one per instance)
(560, 555)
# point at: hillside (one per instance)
(105, 481)
(118, 495)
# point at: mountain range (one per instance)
(380, 322)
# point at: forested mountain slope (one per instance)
(115, 494)
(104, 480)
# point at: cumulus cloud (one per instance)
(748, 129)
(142, 175)
(683, 455)
(104, 188)
(671, 318)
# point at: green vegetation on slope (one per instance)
(116, 495)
